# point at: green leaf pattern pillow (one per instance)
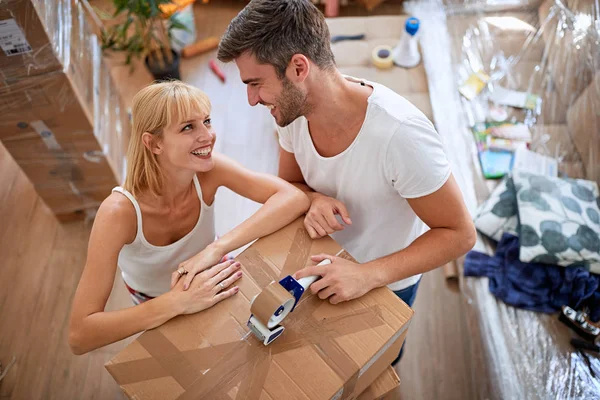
(499, 213)
(559, 220)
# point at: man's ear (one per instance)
(298, 68)
(152, 143)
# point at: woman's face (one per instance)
(189, 144)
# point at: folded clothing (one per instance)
(532, 286)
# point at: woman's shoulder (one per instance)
(118, 214)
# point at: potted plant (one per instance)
(143, 29)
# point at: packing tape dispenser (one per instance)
(274, 303)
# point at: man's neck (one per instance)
(338, 105)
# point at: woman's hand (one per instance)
(188, 269)
(210, 287)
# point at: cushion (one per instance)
(559, 220)
(499, 213)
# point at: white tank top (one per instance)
(147, 268)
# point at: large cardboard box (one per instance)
(57, 88)
(383, 385)
(326, 352)
(26, 47)
(583, 119)
(50, 134)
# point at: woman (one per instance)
(159, 228)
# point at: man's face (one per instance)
(286, 101)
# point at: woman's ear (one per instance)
(151, 143)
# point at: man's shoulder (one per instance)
(394, 106)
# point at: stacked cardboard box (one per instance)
(63, 120)
(327, 351)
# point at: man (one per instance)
(372, 164)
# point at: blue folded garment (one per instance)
(536, 287)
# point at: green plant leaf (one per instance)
(174, 24)
(103, 15)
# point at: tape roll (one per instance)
(272, 305)
(382, 57)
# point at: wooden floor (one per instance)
(42, 262)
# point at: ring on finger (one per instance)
(181, 271)
(221, 285)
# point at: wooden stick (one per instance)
(167, 43)
(157, 50)
(200, 47)
(451, 270)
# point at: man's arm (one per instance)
(290, 171)
(452, 234)
(320, 219)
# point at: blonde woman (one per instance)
(159, 227)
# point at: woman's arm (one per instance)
(282, 204)
(91, 327)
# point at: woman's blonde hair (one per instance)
(155, 107)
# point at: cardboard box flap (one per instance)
(321, 355)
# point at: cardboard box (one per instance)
(27, 48)
(383, 385)
(58, 82)
(583, 119)
(48, 131)
(326, 352)
(60, 37)
(38, 37)
(70, 177)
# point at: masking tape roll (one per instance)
(266, 304)
(382, 57)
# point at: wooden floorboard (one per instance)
(436, 362)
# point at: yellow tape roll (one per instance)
(382, 57)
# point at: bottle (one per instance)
(406, 53)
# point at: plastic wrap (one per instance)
(548, 49)
(63, 120)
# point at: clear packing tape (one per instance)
(549, 49)
(64, 121)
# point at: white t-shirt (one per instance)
(397, 155)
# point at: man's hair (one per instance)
(274, 30)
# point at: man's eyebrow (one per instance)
(251, 80)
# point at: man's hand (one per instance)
(342, 280)
(320, 219)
